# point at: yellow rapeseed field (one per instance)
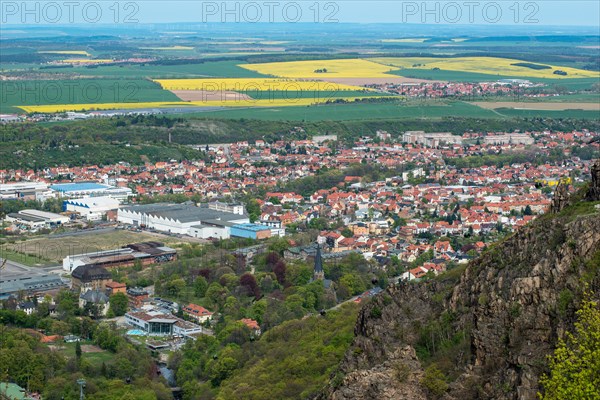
(252, 84)
(67, 52)
(484, 65)
(57, 108)
(345, 68)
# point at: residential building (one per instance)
(94, 298)
(87, 277)
(199, 313)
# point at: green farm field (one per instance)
(79, 91)
(358, 111)
(221, 69)
(578, 114)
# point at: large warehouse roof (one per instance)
(184, 212)
(79, 186)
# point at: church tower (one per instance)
(318, 274)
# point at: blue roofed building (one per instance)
(84, 189)
(251, 231)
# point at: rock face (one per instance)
(504, 314)
(561, 198)
(594, 191)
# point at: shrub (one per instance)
(434, 380)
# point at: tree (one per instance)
(575, 364)
(528, 211)
(118, 304)
(200, 286)
(353, 282)
(279, 269)
(253, 210)
(249, 282)
(78, 350)
(318, 223)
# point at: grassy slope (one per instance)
(295, 359)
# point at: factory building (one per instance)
(184, 219)
(36, 219)
(28, 281)
(92, 208)
(145, 253)
(25, 191)
(94, 189)
(251, 231)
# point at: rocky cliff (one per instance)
(484, 331)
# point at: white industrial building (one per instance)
(25, 191)
(92, 208)
(94, 189)
(36, 219)
(183, 219)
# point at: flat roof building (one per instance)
(36, 219)
(82, 189)
(183, 219)
(251, 231)
(25, 191)
(16, 279)
(145, 253)
(155, 323)
(92, 208)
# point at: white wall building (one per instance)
(36, 219)
(183, 219)
(92, 208)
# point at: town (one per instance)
(251, 235)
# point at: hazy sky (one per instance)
(460, 12)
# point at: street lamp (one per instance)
(81, 383)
